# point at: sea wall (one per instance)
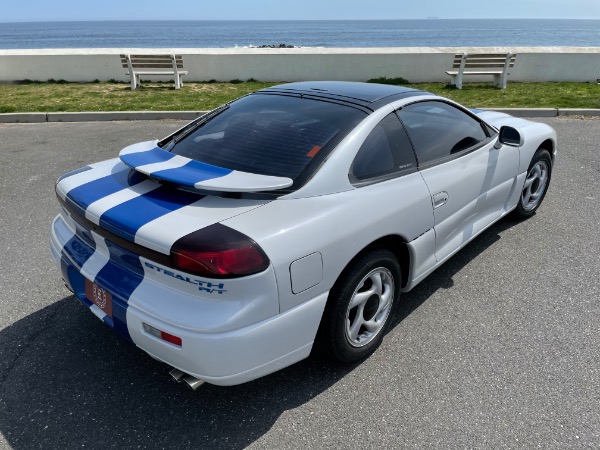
(422, 64)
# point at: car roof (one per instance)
(369, 95)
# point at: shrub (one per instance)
(386, 80)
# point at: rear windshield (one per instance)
(270, 134)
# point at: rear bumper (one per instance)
(235, 356)
(232, 352)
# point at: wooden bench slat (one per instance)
(487, 55)
(165, 67)
(477, 65)
(169, 64)
(491, 60)
(154, 66)
(155, 61)
(475, 72)
(160, 72)
(473, 56)
(145, 60)
(151, 56)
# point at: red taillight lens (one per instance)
(170, 338)
(175, 340)
(218, 252)
(240, 261)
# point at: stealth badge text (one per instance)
(204, 286)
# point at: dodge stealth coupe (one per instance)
(290, 219)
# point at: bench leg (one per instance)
(497, 81)
(133, 81)
(502, 81)
(178, 82)
(456, 80)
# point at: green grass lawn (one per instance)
(109, 96)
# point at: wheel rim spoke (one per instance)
(532, 192)
(374, 294)
(371, 325)
(377, 283)
(526, 195)
(529, 182)
(358, 322)
(361, 298)
(385, 301)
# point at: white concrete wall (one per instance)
(351, 64)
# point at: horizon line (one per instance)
(433, 19)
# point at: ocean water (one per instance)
(346, 33)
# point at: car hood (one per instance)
(132, 206)
(498, 119)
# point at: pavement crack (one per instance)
(46, 324)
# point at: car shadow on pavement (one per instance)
(68, 381)
(442, 277)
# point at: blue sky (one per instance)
(44, 10)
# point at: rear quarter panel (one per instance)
(337, 225)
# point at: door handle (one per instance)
(439, 199)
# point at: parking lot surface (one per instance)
(499, 348)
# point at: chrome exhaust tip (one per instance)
(193, 382)
(180, 376)
(177, 374)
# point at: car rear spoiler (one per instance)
(159, 164)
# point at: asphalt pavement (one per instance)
(499, 348)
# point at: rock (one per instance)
(275, 46)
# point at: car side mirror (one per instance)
(510, 136)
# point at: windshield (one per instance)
(269, 134)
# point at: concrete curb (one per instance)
(97, 116)
(579, 112)
(528, 112)
(190, 115)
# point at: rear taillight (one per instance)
(171, 338)
(218, 251)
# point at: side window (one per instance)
(438, 130)
(387, 150)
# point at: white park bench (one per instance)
(495, 64)
(155, 65)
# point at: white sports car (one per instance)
(289, 219)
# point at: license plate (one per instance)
(99, 296)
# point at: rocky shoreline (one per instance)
(274, 46)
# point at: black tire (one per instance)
(539, 173)
(335, 337)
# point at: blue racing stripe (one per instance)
(88, 193)
(155, 155)
(127, 218)
(64, 268)
(78, 251)
(121, 275)
(77, 283)
(192, 173)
